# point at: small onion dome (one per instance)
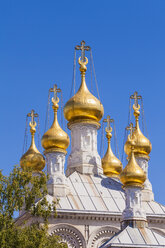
(112, 166)
(32, 158)
(142, 145)
(83, 106)
(55, 139)
(132, 175)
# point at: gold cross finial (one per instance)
(55, 90)
(109, 121)
(136, 98)
(32, 114)
(131, 129)
(83, 48)
(32, 123)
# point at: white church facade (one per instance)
(98, 197)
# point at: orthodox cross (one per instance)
(136, 98)
(131, 129)
(32, 115)
(109, 121)
(55, 90)
(83, 48)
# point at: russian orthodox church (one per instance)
(101, 204)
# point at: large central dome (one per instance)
(83, 106)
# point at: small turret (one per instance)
(55, 139)
(112, 166)
(142, 145)
(32, 158)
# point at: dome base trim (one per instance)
(52, 150)
(84, 121)
(133, 184)
(112, 175)
(137, 155)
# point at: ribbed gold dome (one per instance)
(83, 106)
(32, 158)
(132, 175)
(55, 139)
(112, 166)
(142, 146)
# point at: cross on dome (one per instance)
(108, 121)
(32, 114)
(83, 48)
(131, 129)
(136, 98)
(55, 90)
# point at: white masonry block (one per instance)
(84, 156)
(57, 183)
(133, 209)
(147, 193)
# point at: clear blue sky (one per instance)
(37, 40)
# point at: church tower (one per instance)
(112, 166)
(142, 149)
(55, 142)
(83, 112)
(32, 159)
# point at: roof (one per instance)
(100, 194)
(135, 237)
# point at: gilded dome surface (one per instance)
(32, 158)
(142, 145)
(55, 139)
(112, 166)
(132, 175)
(83, 105)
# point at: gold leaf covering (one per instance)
(55, 139)
(132, 175)
(112, 166)
(83, 106)
(142, 145)
(32, 158)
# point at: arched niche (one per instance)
(69, 234)
(101, 235)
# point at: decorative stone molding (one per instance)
(69, 235)
(147, 193)
(57, 184)
(101, 235)
(82, 215)
(84, 157)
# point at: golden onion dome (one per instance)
(32, 158)
(132, 175)
(83, 106)
(142, 145)
(111, 165)
(55, 139)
